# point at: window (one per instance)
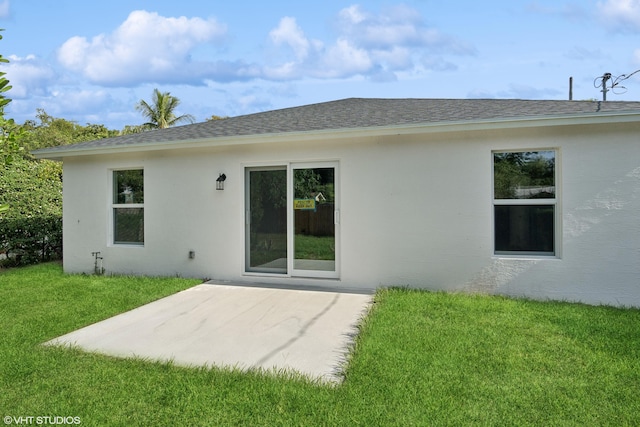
(524, 202)
(128, 207)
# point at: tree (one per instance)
(9, 133)
(49, 131)
(214, 117)
(131, 129)
(32, 188)
(522, 169)
(161, 111)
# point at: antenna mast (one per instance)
(614, 85)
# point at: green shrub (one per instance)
(31, 227)
(31, 188)
(30, 240)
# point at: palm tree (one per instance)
(161, 111)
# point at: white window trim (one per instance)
(113, 206)
(557, 229)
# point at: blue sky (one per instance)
(92, 61)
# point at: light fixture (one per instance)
(220, 181)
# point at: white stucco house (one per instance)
(517, 197)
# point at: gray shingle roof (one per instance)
(353, 113)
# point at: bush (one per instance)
(31, 189)
(30, 240)
(31, 228)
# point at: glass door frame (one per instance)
(333, 274)
(248, 269)
(291, 271)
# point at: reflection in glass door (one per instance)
(314, 221)
(291, 220)
(266, 220)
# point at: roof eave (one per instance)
(55, 153)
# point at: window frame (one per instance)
(554, 202)
(114, 206)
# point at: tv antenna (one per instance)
(611, 83)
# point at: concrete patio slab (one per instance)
(224, 325)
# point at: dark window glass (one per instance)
(128, 225)
(525, 228)
(268, 221)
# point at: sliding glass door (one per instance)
(266, 220)
(314, 221)
(292, 220)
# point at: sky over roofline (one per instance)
(151, 47)
(362, 50)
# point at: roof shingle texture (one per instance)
(353, 113)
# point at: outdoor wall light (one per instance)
(220, 181)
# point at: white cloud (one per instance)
(397, 26)
(74, 53)
(368, 44)
(27, 76)
(5, 9)
(396, 58)
(149, 48)
(289, 33)
(285, 71)
(74, 104)
(353, 14)
(344, 59)
(570, 11)
(341, 59)
(84, 102)
(436, 63)
(146, 47)
(620, 15)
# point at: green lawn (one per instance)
(422, 359)
(314, 247)
(270, 247)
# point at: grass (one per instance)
(314, 247)
(421, 358)
(269, 247)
